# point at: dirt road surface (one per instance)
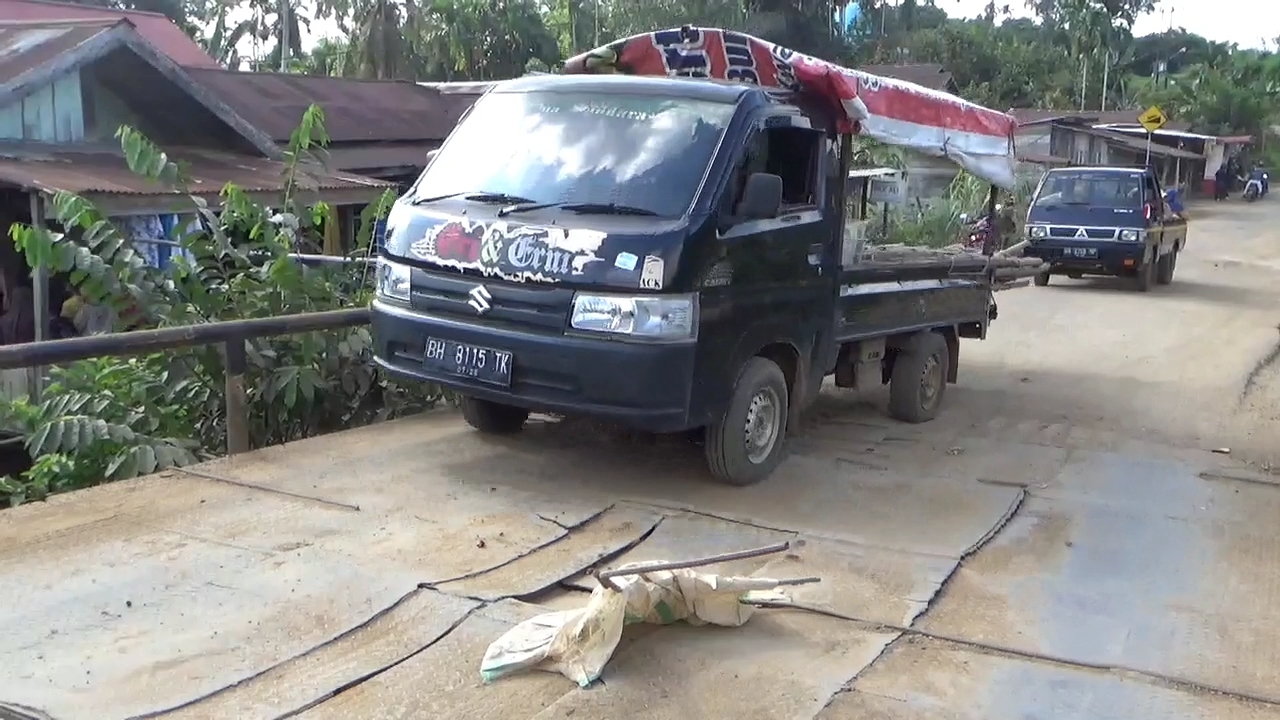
(1060, 543)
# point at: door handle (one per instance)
(816, 249)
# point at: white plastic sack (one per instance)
(578, 643)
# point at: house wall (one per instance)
(1035, 139)
(75, 108)
(1079, 147)
(52, 114)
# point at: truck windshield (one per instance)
(642, 151)
(1100, 189)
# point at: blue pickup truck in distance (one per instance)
(1109, 221)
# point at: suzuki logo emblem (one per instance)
(1081, 233)
(481, 300)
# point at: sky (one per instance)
(1218, 20)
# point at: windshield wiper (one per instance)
(475, 196)
(606, 209)
(583, 208)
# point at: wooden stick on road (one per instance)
(606, 577)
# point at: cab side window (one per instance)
(792, 154)
(1153, 196)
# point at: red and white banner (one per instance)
(893, 112)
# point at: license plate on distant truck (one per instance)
(1082, 252)
(480, 363)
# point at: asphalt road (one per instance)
(1061, 543)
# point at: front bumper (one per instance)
(643, 385)
(1108, 258)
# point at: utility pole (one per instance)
(285, 18)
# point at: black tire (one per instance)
(919, 378)
(493, 418)
(728, 455)
(1165, 268)
(1076, 276)
(1042, 279)
(1147, 276)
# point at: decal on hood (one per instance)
(520, 253)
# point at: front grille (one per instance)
(1068, 232)
(519, 306)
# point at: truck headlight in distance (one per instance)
(393, 281)
(1038, 232)
(1129, 235)
(647, 317)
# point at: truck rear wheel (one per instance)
(919, 378)
(1165, 268)
(745, 445)
(1042, 279)
(493, 418)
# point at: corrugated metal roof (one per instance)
(26, 46)
(367, 157)
(930, 75)
(106, 173)
(159, 31)
(354, 110)
(1027, 116)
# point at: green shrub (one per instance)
(116, 418)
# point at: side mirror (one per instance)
(431, 156)
(964, 218)
(761, 197)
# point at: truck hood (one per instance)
(1087, 216)
(632, 253)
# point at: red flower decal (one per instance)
(454, 243)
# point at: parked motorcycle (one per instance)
(1252, 190)
(974, 232)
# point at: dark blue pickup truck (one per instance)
(1104, 221)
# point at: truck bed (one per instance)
(898, 288)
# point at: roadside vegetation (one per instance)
(116, 418)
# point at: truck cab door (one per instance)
(1154, 214)
(780, 269)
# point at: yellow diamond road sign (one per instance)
(1153, 119)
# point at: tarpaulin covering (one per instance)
(893, 112)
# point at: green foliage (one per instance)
(113, 418)
(937, 222)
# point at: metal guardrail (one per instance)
(231, 334)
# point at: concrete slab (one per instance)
(396, 633)
(781, 664)
(686, 536)
(919, 679)
(1134, 563)
(581, 548)
(871, 584)
(443, 681)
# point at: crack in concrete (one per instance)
(355, 682)
(568, 531)
(908, 630)
(335, 639)
(16, 711)
(1264, 363)
(263, 488)
(1012, 652)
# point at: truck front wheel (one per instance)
(745, 445)
(919, 378)
(1147, 276)
(493, 418)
